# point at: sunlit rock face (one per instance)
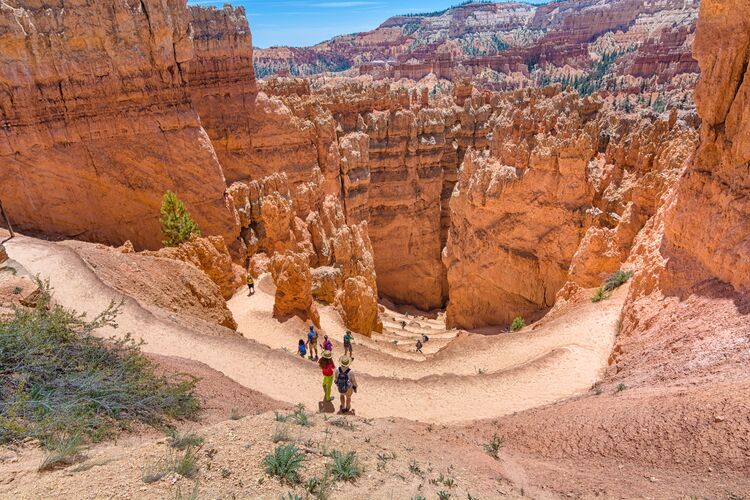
(97, 121)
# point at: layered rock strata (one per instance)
(560, 195)
(97, 122)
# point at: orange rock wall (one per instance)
(96, 121)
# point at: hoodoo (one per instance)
(512, 240)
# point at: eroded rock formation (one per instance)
(559, 196)
(508, 45)
(210, 255)
(97, 122)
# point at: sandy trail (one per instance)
(521, 370)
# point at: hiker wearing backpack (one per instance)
(345, 383)
(301, 349)
(250, 284)
(326, 345)
(419, 346)
(348, 338)
(312, 342)
(327, 367)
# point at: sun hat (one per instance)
(327, 354)
(345, 360)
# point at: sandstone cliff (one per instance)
(97, 122)
(689, 296)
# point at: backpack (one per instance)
(342, 383)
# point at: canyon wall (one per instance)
(559, 196)
(689, 296)
(710, 222)
(97, 121)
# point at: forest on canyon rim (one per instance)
(479, 165)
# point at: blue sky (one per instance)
(301, 23)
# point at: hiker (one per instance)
(425, 338)
(419, 346)
(326, 345)
(312, 342)
(327, 367)
(250, 284)
(345, 383)
(348, 337)
(301, 349)
(403, 324)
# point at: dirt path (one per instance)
(519, 371)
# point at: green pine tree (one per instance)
(176, 224)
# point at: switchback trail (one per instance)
(471, 377)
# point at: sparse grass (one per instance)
(17, 290)
(285, 463)
(415, 469)
(190, 495)
(319, 487)
(65, 450)
(345, 466)
(291, 496)
(59, 379)
(494, 446)
(225, 473)
(481, 371)
(181, 441)
(280, 417)
(444, 495)
(342, 423)
(617, 279)
(614, 281)
(383, 459)
(235, 414)
(597, 389)
(186, 464)
(300, 416)
(620, 387)
(280, 434)
(517, 324)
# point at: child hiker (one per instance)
(348, 338)
(301, 349)
(312, 342)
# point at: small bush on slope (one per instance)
(58, 381)
(616, 280)
(517, 324)
(345, 466)
(285, 463)
(176, 223)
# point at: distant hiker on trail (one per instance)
(301, 349)
(326, 345)
(250, 284)
(348, 337)
(403, 324)
(345, 383)
(425, 338)
(327, 367)
(419, 346)
(312, 342)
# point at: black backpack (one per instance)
(342, 383)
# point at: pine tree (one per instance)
(176, 224)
